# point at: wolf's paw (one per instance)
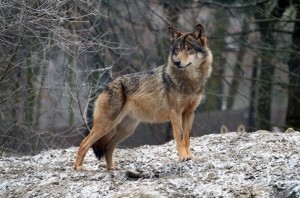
(182, 159)
(190, 155)
(182, 154)
(78, 167)
(185, 158)
(113, 167)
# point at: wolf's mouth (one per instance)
(182, 67)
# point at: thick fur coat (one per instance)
(169, 93)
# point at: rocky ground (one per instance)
(259, 164)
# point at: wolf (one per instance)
(168, 93)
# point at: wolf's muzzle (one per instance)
(179, 66)
(177, 63)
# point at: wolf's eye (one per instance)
(189, 49)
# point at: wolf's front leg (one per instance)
(187, 123)
(176, 120)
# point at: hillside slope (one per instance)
(259, 164)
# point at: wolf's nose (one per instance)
(177, 63)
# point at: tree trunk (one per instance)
(264, 96)
(215, 87)
(251, 119)
(293, 109)
(267, 69)
(237, 72)
(237, 77)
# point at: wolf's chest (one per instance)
(185, 103)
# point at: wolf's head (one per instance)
(188, 49)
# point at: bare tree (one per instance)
(35, 36)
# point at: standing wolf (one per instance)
(170, 92)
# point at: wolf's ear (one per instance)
(200, 34)
(174, 34)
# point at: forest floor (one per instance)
(258, 164)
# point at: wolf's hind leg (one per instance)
(98, 131)
(107, 114)
(123, 130)
(83, 148)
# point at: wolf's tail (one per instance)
(100, 147)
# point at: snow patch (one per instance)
(259, 164)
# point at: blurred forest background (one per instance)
(56, 57)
